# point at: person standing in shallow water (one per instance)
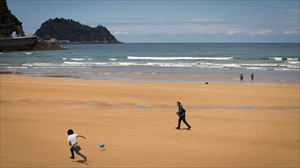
(181, 115)
(241, 77)
(252, 76)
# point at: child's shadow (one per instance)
(82, 162)
(184, 129)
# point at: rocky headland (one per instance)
(70, 31)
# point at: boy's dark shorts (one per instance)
(76, 147)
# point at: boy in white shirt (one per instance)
(72, 139)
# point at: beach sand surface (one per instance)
(233, 125)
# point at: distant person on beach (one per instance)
(241, 77)
(252, 76)
(181, 115)
(72, 139)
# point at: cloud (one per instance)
(293, 10)
(291, 32)
(120, 33)
(232, 32)
(176, 29)
(261, 32)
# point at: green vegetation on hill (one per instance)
(68, 29)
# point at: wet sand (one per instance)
(233, 125)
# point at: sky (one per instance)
(135, 21)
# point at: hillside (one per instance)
(72, 31)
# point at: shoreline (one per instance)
(233, 125)
(145, 77)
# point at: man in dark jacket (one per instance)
(181, 115)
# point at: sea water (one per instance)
(180, 62)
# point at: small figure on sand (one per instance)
(72, 139)
(252, 76)
(241, 76)
(181, 115)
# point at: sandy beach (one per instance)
(233, 125)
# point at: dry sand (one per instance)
(233, 125)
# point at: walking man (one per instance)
(181, 115)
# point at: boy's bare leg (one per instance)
(82, 155)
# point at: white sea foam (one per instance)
(276, 58)
(178, 58)
(14, 67)
(39, 64)
(126, 63)
(283, 59)
(67, 63)
(74, 63)
(64, 59)
(292, 59)
(202, 64)
(81, 59)
(113, 59)
(285, 69)
(232, 65)
(294, 62)
(293, 66)
(256, 68)
(169, 64)
(262, 65)
(28, 53)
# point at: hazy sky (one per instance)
(173, 20)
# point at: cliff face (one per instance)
(67, 29)
(8, 22)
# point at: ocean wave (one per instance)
(28, 53)
(285, 69)
(294, 62)
(84, 63)
(293, 66)
(178, 58)
(112, 59)
(206, 65)
(15, 67)
(81, 59)
(38, 64)
(283, 59)
(256, 68)
(276, 58)
(216, 65)
(169, 64)
(293, 59)
(262, 65)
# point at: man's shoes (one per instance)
(177, 128)
(72, 157)
(189, 128)
(85, 158)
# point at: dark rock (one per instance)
(74, 32)
(9, 22)
(41, 44)
(27, 43)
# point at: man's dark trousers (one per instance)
(183, 119)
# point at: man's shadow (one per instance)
(81, 161)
